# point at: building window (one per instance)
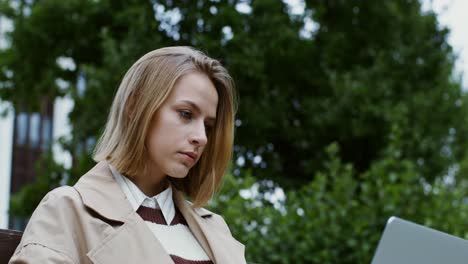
(34, 130)
(21, 128)
(46, 133)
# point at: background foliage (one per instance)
(351, 107)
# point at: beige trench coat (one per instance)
(93, 222)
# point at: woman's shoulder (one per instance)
(63, 192)
(58, 207)
(49, 228)
(57, 200)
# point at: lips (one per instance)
(191, 155)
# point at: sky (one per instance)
(453, 15)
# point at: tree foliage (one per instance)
(334, 218)
(366, 66)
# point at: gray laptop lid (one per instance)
(404, 242)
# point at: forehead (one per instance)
(198, 89)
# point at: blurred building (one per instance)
(32, 134)
(24, 137)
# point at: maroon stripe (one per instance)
(156, 216)
(178, 218)
(179, 260)
(151, 215)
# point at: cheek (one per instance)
(157, 146)
(153, 142)
(162, 141)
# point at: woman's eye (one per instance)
(185, 114)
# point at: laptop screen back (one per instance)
(404, 242)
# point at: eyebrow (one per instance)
(195, 106)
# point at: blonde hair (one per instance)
(144, 88)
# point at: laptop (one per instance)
(404, 242)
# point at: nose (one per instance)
(198, 136)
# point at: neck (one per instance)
(150, 185)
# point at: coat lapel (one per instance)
(101, 193)
(220, 246)
(131, 242)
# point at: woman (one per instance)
(169, 134)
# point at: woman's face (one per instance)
(178, 131)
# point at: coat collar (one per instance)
(101, 193)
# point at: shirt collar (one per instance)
(137, 198)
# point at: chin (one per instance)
(177, 176)
(178, 173)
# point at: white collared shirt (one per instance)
(137, 198)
